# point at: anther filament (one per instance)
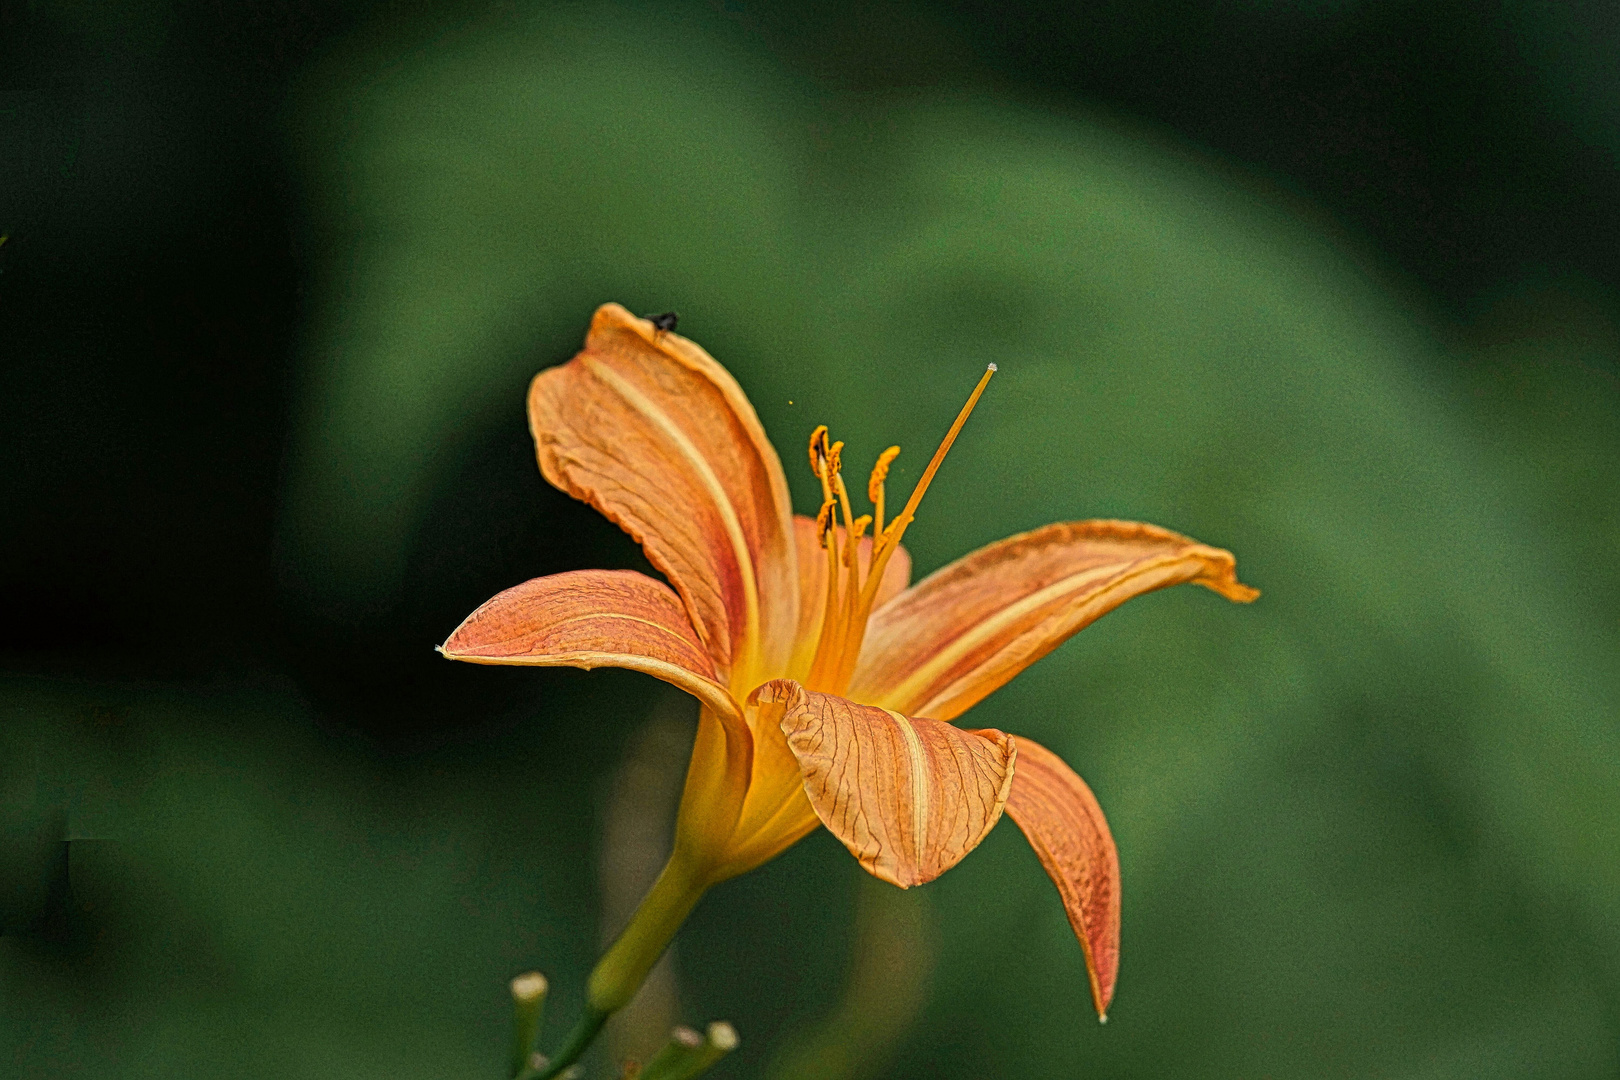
(850, 594)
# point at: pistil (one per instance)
(849, 600)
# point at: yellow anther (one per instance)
(835, 459)
(880, 473)
(824, 523)
(818, 452)
(858, 530)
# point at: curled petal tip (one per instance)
(1228, 586)
(1221, 575)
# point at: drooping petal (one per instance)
(813, 584)
(590, 619)
(941, 646)
(909, 797)
(1061, 818)
(649, 429)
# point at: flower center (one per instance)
(850, 593)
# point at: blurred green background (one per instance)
(1330, 284)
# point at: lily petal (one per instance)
(908, 796)
(813, 584)
(963, 631)
(649, 429)
(595, 618)
(1063, 823)
(775, 814)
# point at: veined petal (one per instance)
(909, 797)
(963, 631)
(595, 618)
(649, 429)
(813, 584)
(1063, 823)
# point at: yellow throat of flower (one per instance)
(850, 593)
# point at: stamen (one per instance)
(884, 543)
(827, 648)
(818, 452)
(843, 625)
(826, 461)
(824, 523)
(852, 559)
(843, 503)
(880, 473)
(874, 487)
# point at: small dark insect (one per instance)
(665, 322)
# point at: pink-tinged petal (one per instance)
(595, 618)
(1063, 823)
(649, 429)
(960, 633)
(909, 797)
(813, 584)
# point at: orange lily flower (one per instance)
(827, 681)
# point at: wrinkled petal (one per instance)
(1063, 823)
(649, 429)
(909, 797)
(813, 585)
(590, 619)
(941, 646)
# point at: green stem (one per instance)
(579, 1040)
(621, 971)
(624, 967)
(528, 1001)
